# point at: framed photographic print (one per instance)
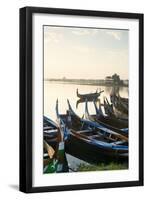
(81, 99)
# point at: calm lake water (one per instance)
(64, 91)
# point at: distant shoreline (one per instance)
(87, 82)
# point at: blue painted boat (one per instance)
(54, 148)
(51, 132)
(111, 123)
(91, 139)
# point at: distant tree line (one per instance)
(109, 81)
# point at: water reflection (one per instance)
(83, 101)
(62, 92)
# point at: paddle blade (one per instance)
(49, 149)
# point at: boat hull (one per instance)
(92, 153)
(112, 124)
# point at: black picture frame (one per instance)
(26, 97)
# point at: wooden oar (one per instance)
(49, 149)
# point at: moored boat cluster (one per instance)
(100, 136)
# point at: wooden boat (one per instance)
(51, 132)
(112, 111)
(109, 109)
(89, 138)
(54, 154)
(114, 124)
(119, 103)
(90, 96)
(125, 100)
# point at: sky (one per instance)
(85, 53)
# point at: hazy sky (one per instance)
(85, 52)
